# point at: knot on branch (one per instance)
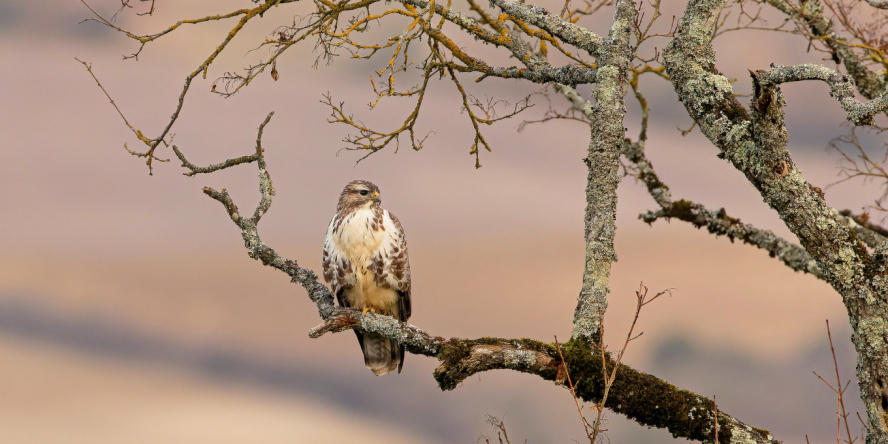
(461, 358)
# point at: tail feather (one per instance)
(381, 355)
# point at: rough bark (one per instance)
(810, 12)
(755, 143)
(720, 224)
(603, 162)
(566, 31)
(644, 398)
(840, 88)
(537, 69)
(871, 234)
(716, 222)
(881, 4)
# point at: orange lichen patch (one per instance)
(546, 37)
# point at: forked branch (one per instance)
(462, 358)
(840, 88)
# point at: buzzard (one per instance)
(365, 263)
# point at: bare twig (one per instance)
(500, 426)
(573, 392)
(715, 421)
(257, 156)
(641, 296)
(841, 415)
(855, 163)
(135, 131)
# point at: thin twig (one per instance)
(715, 406)
(138, 133)
(641, 301)
(573, 392)
(841, 414)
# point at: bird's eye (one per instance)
(363, 192)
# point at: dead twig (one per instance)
(641, 300)
(715, 408)
(841, 415)
(573, 392)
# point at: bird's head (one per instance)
(358, 193)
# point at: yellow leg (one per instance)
(368, 309)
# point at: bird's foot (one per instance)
(368, 309)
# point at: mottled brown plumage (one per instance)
(365, 263)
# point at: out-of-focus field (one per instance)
(129, 311)
(53, 394)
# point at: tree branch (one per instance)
(553, 24)
(603, 162)
(682, 413)
(871, 234)
(810, 13)
(879, 4)
(538, 69)
(720, 224)
(840, 88)
(644, 398)
(756, 145)
(641, 397)
(716, 222)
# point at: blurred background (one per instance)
(129, 311)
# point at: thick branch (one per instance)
(756, 145)
(716, 222)
(681, 412)
(603, 162)
(810, 13)
(644, 398)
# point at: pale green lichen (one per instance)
(519, 358)
(739, 132)
(742, 435)
(762, 156)
(824, 223)
(741, 154)
(603, 162)
(874, 329)
(708, 89)
(845, 268)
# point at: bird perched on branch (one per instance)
(365, 263)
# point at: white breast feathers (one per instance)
(360, 241)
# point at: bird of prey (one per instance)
(365, 263)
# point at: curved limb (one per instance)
(754, 142)
(681, 412)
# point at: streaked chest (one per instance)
(359, 235)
